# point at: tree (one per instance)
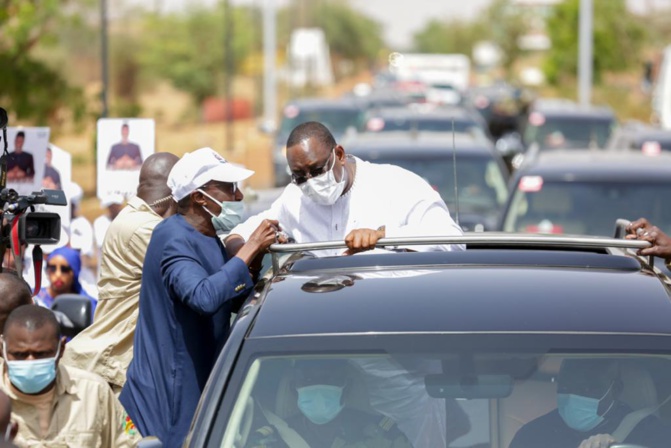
(188, 48)
(455, 36)
(618, 39)
(29, 88)
(501, 23)
(350, 34)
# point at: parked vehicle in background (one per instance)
(584, 192)
(559, 123)
(553, 124)
(426, 118)
(433, 69)
(637, 136)
(481, 175)
(309, 58)
(472, 339)
(339, 115)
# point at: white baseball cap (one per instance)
(197, 168)
(112, 198)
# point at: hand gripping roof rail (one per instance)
(481, 239)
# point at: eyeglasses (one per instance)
(52, 268)
(315, 172)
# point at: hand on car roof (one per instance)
(641, 229)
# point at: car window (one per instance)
(588, 208)
(455, 400)
(569, 133)
(337, 120)
(481, 182)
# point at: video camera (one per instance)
(21, 224)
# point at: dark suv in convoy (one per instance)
(445, 349)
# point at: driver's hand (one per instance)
(359, 240)
(598, 441)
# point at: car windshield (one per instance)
(337, 120)
(461, 399)
(481, 183)
(587, 208)
(581, 132)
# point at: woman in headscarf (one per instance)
(63, 268)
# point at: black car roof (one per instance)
(321, 103)
(419, 144)
(599, 164)
(485, 290)
(562, 108)
(423, 113)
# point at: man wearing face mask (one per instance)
(325, 419)
(337, 197)
(189, 289)
(55, 405)
(589, 413)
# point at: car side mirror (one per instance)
(74, 313)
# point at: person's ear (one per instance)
(198, 198)
(61, 343)
(340, 153)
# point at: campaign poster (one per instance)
(27, 149)
(57, 175)
(123, 144)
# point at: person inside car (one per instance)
(661, 242)
(589, 412)
(325, 419)
(333, 196)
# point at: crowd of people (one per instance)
(140, 368)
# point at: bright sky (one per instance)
(400, 18)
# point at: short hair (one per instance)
(311, 129)
(32, 317)
(20, 134)
(14, 291)
(124, 125)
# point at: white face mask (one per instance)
(324, 189)
(229, 216)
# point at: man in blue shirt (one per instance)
(189, 289)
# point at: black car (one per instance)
(481, 174)
(443, 349)
(636, 136)
(426, 118)
(584, 192)
(338, 115)
(559, 123)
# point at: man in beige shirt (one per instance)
(55, 405)
(106, 347)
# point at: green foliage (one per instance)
(350, 34)
(31, 89)
(499, 23)
(618, 39)
(188, 49)
(455, 36)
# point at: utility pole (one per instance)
(585, 59)
(269, 51)
(103, 57)
(228, 70)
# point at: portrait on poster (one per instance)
(27, 149)
(123, 144)
(57, 176)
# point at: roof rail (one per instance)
(493, 238)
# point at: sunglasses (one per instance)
(52, 268)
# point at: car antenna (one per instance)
(454, 171)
